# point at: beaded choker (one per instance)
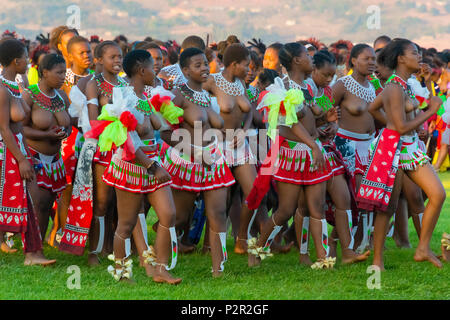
(324, 101)
(307, 91)
(406, 88)
(198, 97)
(252, 94)
(144, 106)
(105, 87)
(72, 78)
(12, 87)
(53, 104)
(355, 88)
(235, 88)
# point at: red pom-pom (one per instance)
(156, 102)
(128, 120)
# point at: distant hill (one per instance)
(424, 21)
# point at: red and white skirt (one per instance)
(52, 173)
(195, 177)
(237, 156)
(68, 154)
(334, 155)
(13, 198)
(131, 177)
(103, 158)
(294, 164)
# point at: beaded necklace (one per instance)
(324, 101)
(198, 97)
(105, 87)
(72, 78)
(144, 106)
(376, 84)
(354, 87)
(12, 87)
(406, 88)
(52, 104)
(235, 88)
(252, 94)
(307, 91)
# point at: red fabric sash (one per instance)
(81, 207)
(261, 185)
(378, 181)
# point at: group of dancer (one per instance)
(98, 136)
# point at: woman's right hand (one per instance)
(56, 133)
(318, 159)
(26, 170)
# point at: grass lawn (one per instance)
(279, 277)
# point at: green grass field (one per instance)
(280, 277)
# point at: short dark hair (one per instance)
(356, 51)
(235, 52)
(135, 59)
(100, 49)
(49, 61)
(389, 55)
(277, 46)
(74, 40)
(323, 57)
(145, 45)
(186, 55)
(10, 49)
(288, 52)
(257, 61)
(382, 38)
(268, 75)
(193, 42)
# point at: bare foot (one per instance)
(401, 243)
(278, 248)
(350, 256)
(217, 274)
(305, 259)
(241, 246)
(185, 249)
(93, 260)
(161, 275)
(427, 255)
(253, 261)
(6, 249)
(379, 264)
(37, 258)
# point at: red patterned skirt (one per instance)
(103, 158)
(131, 177)
(52, 173)
(294, 164)
(16, 211)
(68, 155)
(191, 176)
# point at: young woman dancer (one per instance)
(45, 127)
(397, 148)
(140, 176)
(353, 94)
(300, 169)
(337, 187)
(196, 164)
(16, 168)
(99, 92)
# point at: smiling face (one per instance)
(55, 77)
(198, 68)
(323, 76)
(364, 63)
(112, 59)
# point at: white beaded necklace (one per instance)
(354, 87)
(235, 88)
